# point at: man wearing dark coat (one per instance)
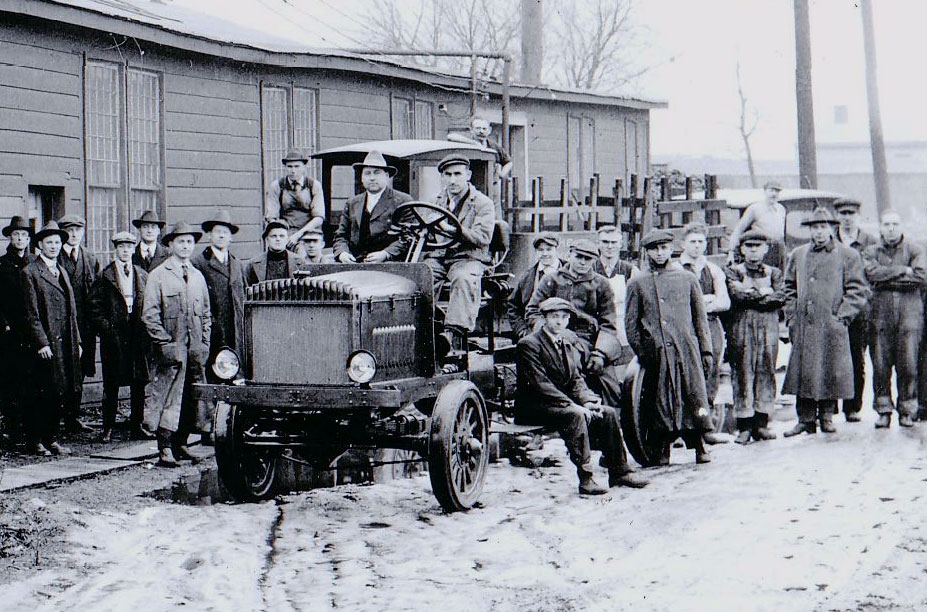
(896, 268)
(668, 329)
(363, 232)
(54, 342)
(82, 267)
(150, 252)
(545, 246)
(551, 391)
(276, 262)
(225, 278)
(13, 336)
(116, 303)
(825, 289)
(850, 234)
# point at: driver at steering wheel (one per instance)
(462, 263)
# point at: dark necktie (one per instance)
(186, 277)
(74, 254)
(565, 355)
(127, 269)
(364, 227)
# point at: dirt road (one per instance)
(817, 522)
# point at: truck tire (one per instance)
(458, 447)
(248, 474)
(637, 401)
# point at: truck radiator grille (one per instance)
(299, 289)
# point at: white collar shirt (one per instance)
(373, 199)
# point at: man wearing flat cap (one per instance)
(545, 247)
(314, 248)
(178, 320)
(150, 253)
(83, 268)
(755, 290)
(668, 329)
(462, 263)
(850, 234)
(13, 336)
(768, 216)
(116, 304)
(363, 232)
(296, 197)
(551, 391)
(276, 262)
(824, 289)
(55, 377)
(896, 268)
(225, 277)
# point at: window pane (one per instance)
(402, 118)
(103, 135)
(305, 124)
(144, 117)
(424, 121)
(273, 132)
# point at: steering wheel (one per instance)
(429, 225)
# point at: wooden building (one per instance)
(108, 108)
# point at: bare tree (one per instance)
(748, 123)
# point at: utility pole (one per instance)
(879, 167)
(532, 40)
(807, 155)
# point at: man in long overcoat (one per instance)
(276, 262)
(82, 267)
(896, 268)
(825, 289)
(54, 342)
(13, 337)
(668, 330)
(179, 321)
(551, 391)
(150, 252)
(116, 303)
(545, 246)
(363, 232)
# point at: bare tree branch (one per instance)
(746, 132)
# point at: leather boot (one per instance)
(701, 453)
(588, 485)
(760, 427)
(904, 420)
(179, 446)
(618, 477)
(827, 425)
(57, 449)
(853, 417)
(744, 429)
(801, 428)
(165, 455)
(39, 449)
(712, 438)
(665, 457)
(74, 425)
(884, 420)
(905, 410)
(107, 436)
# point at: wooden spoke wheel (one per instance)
(637, 406)
(458, 449)
(249, 473)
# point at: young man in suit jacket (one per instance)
(363, 233)
(276, 262)
(150, 252)
(545, 246)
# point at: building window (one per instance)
(412, 118)
(289, 118)
(401, 109)
(424, 120)
(841, 114)
(580, 152)
(122, 138)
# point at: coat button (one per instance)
(811, 280)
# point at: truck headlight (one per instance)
(226, 365)
(362, 366)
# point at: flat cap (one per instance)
(655, 237)
(773, 185)
(453, 159)
(847, 203)
(71, 221)
(276, 224)
(554, 304)
(754, 236)
(820, 215)
(313, 234)
(546, 238)
(124, 237)
(585, 247)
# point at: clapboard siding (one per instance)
(40, 122)
(220, 143)
(23, 98)
(213, 107)
(201, 124)
(207, 179)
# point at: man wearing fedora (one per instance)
(551, 391)
(296, 197)
(13, 337)
(116, 303)
(276, 262)
(54, 348)
(767, 216)
(825, 289)
(178, 320)
(363, 233)
(83, 268)
(150, 253)
(545, 247)
(225, 278)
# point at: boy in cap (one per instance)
(83, 268)
(618, 273)
(545, 247)
(296, 197)
(753, 343)
(551, 391)
(276, 261)
(54, 348)
(116, 304)
(314, 245)
(668, 330)
(150, 252)
(768, 216)
(363, 232)
(825, 289)
(13, 336)
(178, 320)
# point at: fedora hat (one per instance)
(183, 228)
(275, 224)
(51, 229)
(149, 216)
(375, 159)
(295, 154)
(222, 217)
(820, 215)
(16, 223)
